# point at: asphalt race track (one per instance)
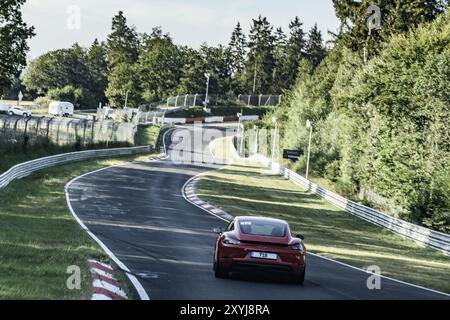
(139, 213)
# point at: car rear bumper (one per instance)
(238, 258)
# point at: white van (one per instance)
(61, 108)
(4, 108)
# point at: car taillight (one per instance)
(229, 240)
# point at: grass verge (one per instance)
(247, 189)
(39, 238)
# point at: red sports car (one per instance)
(259, 244)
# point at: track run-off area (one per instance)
(139, 215)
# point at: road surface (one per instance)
(138, 211)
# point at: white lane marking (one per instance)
(382, 276)
(138, 286)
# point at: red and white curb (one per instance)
(106, 287)
(188, 192)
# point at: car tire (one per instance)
(11, 113)
(301, 278)
(219, 272)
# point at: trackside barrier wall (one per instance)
(25, 169)
(421, 235)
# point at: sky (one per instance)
(61, 23)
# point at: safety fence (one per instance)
(198, 100)
(260, 100)
(25, 169)
(63, 131)
(421, 235)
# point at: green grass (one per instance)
(219, 111)
(247, 189)
(39, 238)
(146, 135)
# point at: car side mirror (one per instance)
(301, 237)
(218, 230)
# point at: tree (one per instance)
(123, 54)
(238, 55)
(296, 48)
(123, 79)
(14, 34)
(212, 60)
(67, 93)
(160, 66)
(281, 68)
(261, 61)
(61, 68)
(97, 61)
(315, 50)
(122, 43)
(396, 17)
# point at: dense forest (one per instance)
(150, 67)
(381, 124)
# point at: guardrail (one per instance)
(437, 240)
(25, 169)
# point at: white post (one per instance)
(255, 147)
(274, 138)
(126, 98)
(207, 75)
(259, 101)
(195, 100)
(185, 101)
(310, 126)
(176, 101)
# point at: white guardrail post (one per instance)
(423, 236)
(27, 168)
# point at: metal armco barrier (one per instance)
(25, 169)
(437, 240)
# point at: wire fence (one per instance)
(261, 100)
(198, 100)
(63, 131)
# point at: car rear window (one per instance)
(263, 228)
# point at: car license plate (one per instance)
(264, 255)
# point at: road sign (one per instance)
(292, 154)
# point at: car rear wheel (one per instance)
(220, 272)
(301, 278)
(11, 113)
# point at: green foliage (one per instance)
(212, 60)
(160, 66)
(122, 79)
(57, 71)
(261, 61)
(122, 43)
(68, 93)
(14, 34)
(396, 17)
(382, 126)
